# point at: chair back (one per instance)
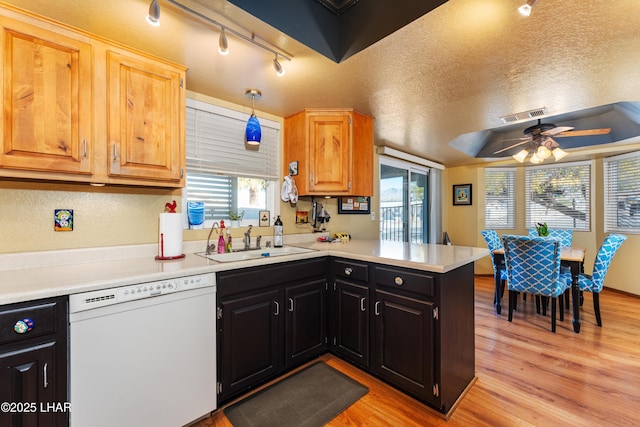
(603, 259)
(564, 235)
(493, 243)
(533, 265)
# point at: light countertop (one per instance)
(39, 278)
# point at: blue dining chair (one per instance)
(594, 282)
(564, 235)
(493, 243)
(533, 266)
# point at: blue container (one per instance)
(195, 213)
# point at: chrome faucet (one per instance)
(247, 238)
(209, 247)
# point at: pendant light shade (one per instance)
(253, 132)
(223, 45)
(153, 18)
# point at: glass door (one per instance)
(403, 202)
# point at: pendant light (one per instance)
(153, 18)
(253, 133)
(525, 9)
(223, 45)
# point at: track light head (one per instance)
(525, 9)
(223, 45)
(278, 67)
(153, 18)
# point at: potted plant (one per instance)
(236, 217)
(542, 229)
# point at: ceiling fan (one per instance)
(542, 145)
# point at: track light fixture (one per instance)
(277, 66)
(223, 45)
(525, 9)
(153, 18)
(253, 132)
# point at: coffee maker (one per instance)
(319, 215)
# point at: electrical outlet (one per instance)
(373, 216)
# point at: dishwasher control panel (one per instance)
(104, 297)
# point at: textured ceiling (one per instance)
(452, 72)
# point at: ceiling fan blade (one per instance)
(586, 132)
(511, 146)
(556, 130)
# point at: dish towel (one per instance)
(289, 190)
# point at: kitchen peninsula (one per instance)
(411, 305)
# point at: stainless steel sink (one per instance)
(254, 254)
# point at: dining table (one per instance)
(569, 256)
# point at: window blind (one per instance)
(622, 193)
(216, 143)
(499, 196)
(559, 195)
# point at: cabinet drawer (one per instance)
(253, 278)
(389, 277)
(39, 316)
(346, 269)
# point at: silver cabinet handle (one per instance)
(398, 281)
(348, 271)
(277, 313)
(362, 301)
(377, 308)
(84, 144)
(115, 152)
(290, 304)
(46, 380)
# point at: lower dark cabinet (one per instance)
(404, 344)
(33, 365)
(249, 342)
(350, 322)
(270, 319)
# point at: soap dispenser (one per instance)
(221, 245)
(277, 233)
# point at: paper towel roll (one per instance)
(170, 235)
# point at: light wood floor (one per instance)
(527, 376)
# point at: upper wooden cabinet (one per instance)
(334, 151)
(77, 107)
(144, 118)
(46, 97)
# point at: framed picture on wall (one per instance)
(462, 194)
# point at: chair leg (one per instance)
(561, 305)
(538, 304)
(545, 302)
(553, 315)
(596, 307)
(567, 293)
(512, 297)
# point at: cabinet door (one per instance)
(404, 346)
(305, 326)
(46, 96)
(351, 314)
(28, 378)
(250, 349)
(146, 117)
(330, 155)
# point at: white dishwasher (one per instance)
(143, 354)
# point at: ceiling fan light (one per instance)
(559, 153)
(543, 152)
(535, 159)
(521, 155)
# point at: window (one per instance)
(500, 199)
(559, 195)
(404, 204)
(622, 193)
(224, 172)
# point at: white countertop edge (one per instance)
(25, 284)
